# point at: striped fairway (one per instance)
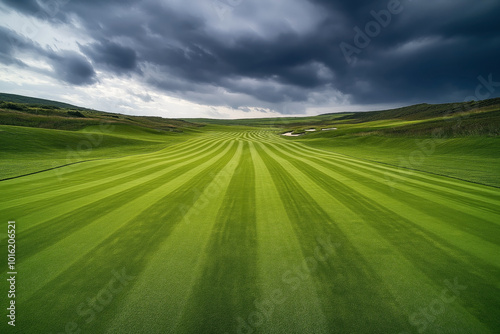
(248, 232)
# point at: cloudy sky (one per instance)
(249, 58)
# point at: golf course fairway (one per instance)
(247, 232)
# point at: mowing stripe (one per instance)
(87, 166)
(415, 180)
(434, 254)
(59, 210)
(129, 246)
(105, 180)
(227, 283)
(57, 228)
(411, 294)
(173, 271)
(91, 235)
(344, 270)
(287, 302)
(478, 209)
(478, 247)
(397, 173)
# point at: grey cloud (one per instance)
(69, 67)
(24, 6)
(73, 68)
(186, 50)
(112, 55)
(10, 41)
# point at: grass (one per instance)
(28, 150)
(462, 145)
(232, 228)
(20, 99)
(474, 159)
(243, 230)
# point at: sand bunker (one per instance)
(291, 134)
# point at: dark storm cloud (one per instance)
(428, 53)
(72, 68)
(8, 41)
(118, 58)
(24, 6)
(416, 51)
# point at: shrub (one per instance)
(75, 114)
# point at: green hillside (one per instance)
(36, 101)
(27, 150)
(26, 111)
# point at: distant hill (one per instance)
(33, 100)
(476, 117)
(40, 113)
(480, 117)
(421, 111)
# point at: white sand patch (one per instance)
(311, 130)
(328, 129)
(291, 134)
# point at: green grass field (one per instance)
(237, 230)
(28, 150)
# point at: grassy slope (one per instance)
(239, 231)
(473, 159)
(27, 150)
(38, 134)
(464, 145)
(39, 113)
(273, 122)
(33, 100)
